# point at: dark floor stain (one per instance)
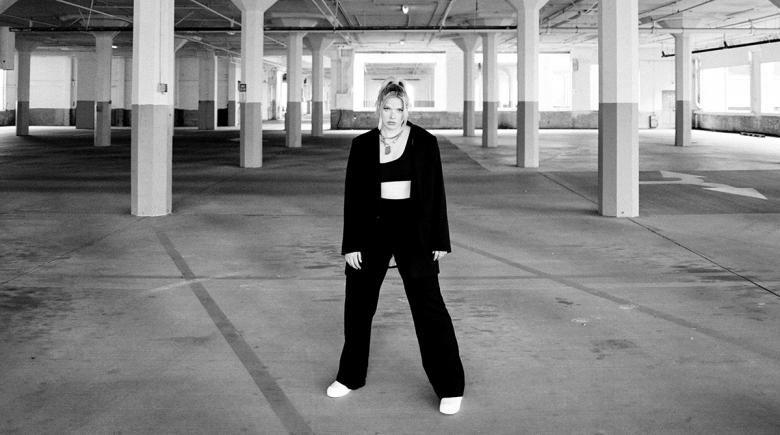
(603, 348)
(564, 301)
(27, 313)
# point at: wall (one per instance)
(738, 122)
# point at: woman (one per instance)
(394, 207)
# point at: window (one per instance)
(555, 81)
(725, 89)
(424, 75)
(770, 87)
(3, 85)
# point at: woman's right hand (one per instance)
(354, 259)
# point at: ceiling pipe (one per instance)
(683, 10)
(78, 6)
(404, 29)
(331, 17)
(726, 47)
(217, 13)
(446, 13)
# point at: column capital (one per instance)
(521, 5)
(253, 5)
(105, 35)
(26, 44)
(467, 41)
(289, 19)
(318, 41)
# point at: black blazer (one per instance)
(362, 192)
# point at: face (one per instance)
(393, 113)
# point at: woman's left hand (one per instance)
(438, 255)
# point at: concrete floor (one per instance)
(225, 317)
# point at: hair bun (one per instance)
(389, 83)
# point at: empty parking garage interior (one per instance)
(172, 177)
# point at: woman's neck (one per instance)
(387, 132)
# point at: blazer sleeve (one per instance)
(351, 229)
(440, 225)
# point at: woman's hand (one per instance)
(354, 259)
(438, 255)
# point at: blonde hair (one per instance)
(392, 88)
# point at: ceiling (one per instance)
(429, 24)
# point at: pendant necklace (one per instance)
(389, 141)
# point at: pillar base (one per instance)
(85, 114)
(251, 135)
(468, 118)
(22, 118)
(103, 124)
(618, 159)
(316, 118)
(293, 124)
(207, 115)
(489, 124)
(151, 160)
(528, 134)
(231, 113)
(683, 120)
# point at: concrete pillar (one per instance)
(207, 90)
(528, 82)
(102, 80)
(25, 49)
(318, 44)
(86, 70)
(582, 59)
(151, 138)
(468, 44)
(232, 90)
(128, 90)
(7, 47)
(755, 82)
(618, 108)
(251, 93)
(683, 80)
(489, 90)
(292, 121)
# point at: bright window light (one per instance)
(770, 87)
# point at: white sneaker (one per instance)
(337, 389)
(450, 405)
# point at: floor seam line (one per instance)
(709, 332)
(289, 416)
(700, 255)
(64, 255)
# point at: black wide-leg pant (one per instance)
(432, 323)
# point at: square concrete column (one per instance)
(207, 90)
(7, 48)
(151, 138)
(251, 94)
(292, 120)
(618, 108)
(318, 44)
(86, 70)
(232, 91)
(489, 90)
(128, 85)
(468, 44)
(755, 81)
(683, 82)
(582, 59)
(527, 82)
(102, 80)
(25, 48)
